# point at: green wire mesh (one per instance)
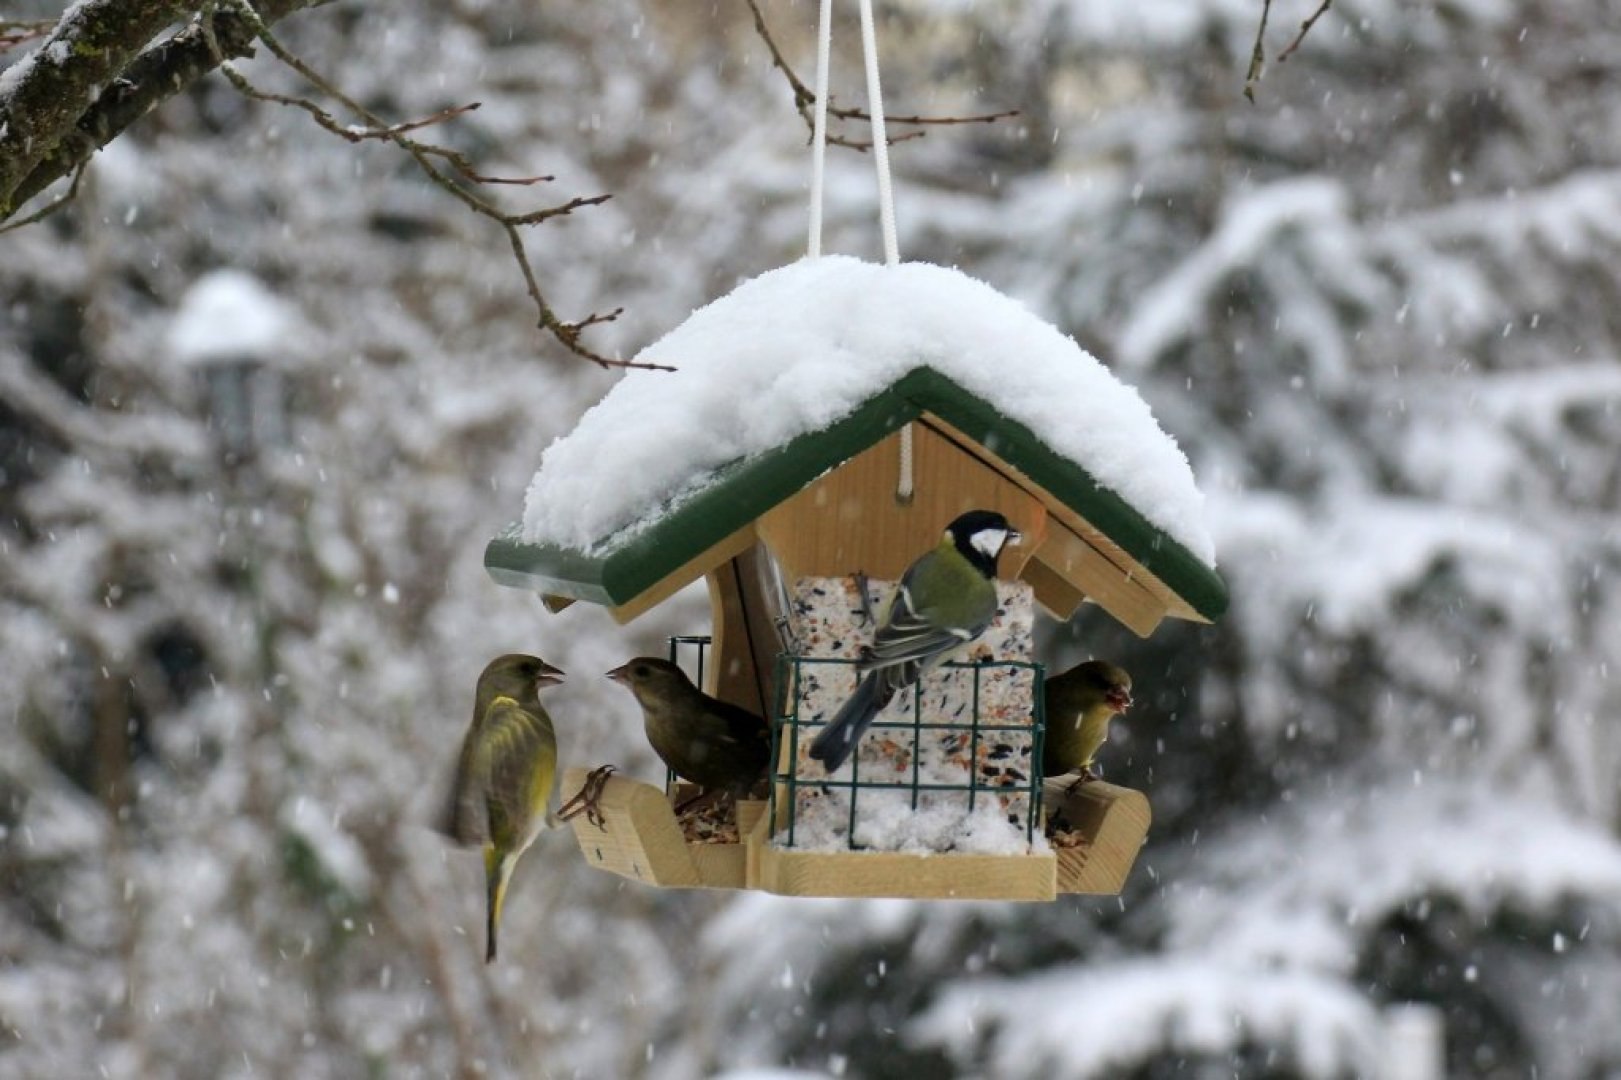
(788, 725)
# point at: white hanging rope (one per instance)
(880, 141)
(880, 153)
(886, 205)
(824, 48)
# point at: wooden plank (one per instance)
(725, 866)
(849, 519)
(1088, 570)
(1127, 567)
(945, 876)
(744, 642)
(684, 575)
(1115, 820)
(640, 839)
(1057, 595)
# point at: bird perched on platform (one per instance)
(712, 743)
(1079, 705)
(945, 600)
(505, 775)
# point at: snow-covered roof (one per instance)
(797, 349)
(228, 314)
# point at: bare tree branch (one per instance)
(1305, 28)
(805, 100)
(426, 155)
(1257, 67)
(51, 207)
(1257, 54)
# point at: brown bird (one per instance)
(505, 774)
(714, 744)
(1079, 705)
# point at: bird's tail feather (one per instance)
(497, 872)
(839, 738)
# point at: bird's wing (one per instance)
(464, 820)
(744, 728)
(911, 634)
(519, 761)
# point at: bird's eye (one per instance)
(642, 671)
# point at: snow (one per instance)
(228, 314)
(1099, 1021)
(1312, 877)
(798, 348)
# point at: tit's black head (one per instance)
(980, 536)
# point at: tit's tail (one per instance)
(836, 741)
(497, 872)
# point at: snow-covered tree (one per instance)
(1374, 307)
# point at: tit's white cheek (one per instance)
(989, 541)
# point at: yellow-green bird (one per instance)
(506, 772)
(1079, 705)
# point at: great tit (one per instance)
(945, 600)
(1079, 705)
(719, 746)
(505, 775)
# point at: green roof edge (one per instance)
(745, 489)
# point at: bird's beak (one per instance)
(620, 675)
(548, 676)
(1014, 538)
(1119, 699)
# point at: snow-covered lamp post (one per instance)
(237, 336)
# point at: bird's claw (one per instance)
(585, 800)
(1087, 776)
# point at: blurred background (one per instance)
(264, 396)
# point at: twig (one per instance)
(425, 155)
(53, 206)
(14, 32)
(805, 100)
(1257, 54)
(1305, 28)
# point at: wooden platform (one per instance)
(641, 840)
(1114, 821)
(944, 876)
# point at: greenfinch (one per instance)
(945, 600)
(1079, 705)
(719, 746)
(505, 775)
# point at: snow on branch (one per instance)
(1101, 1021)
(98, 72)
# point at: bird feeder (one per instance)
(829, 418)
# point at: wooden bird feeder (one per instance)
(822, 506)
